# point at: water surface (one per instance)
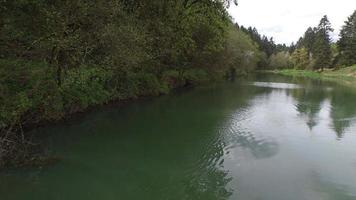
(265, 138)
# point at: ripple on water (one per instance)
(237, 134)
(260, 147)
(232, 137)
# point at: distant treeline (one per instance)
(316, 50)
(58, 57)
(266, 46)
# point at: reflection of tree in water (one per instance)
(343, 110)
(309, 104)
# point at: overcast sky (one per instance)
(287, 20)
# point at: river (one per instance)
(268, 137)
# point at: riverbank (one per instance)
(346, 76)
(31, 98)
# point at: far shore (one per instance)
(345, 75)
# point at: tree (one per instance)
(241, 52)
(322, 44)
(292, 47)
(300, 58)
(280, 60)
(308, 39)
(347, 42)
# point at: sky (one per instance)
(287, 20)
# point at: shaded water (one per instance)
(268, 138)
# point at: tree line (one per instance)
(266, 45)
(315, 50)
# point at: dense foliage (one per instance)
(313, 50)
(60, 57)
(347, 42)
(266, 45)
(316, 51)
(280, 60)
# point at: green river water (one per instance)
(268, 137)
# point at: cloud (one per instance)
(273, 29)
(287, 20)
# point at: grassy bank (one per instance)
(345, 75)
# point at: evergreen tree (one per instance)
(292, 47)
(322, 44)
(281, 47)
(347, 42)
(309, 38)
(265, 44)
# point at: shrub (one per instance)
(83, 87)
(28, 92)
(173, 79)
(195, 76)
(148, 84)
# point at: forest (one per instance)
(316, 50)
